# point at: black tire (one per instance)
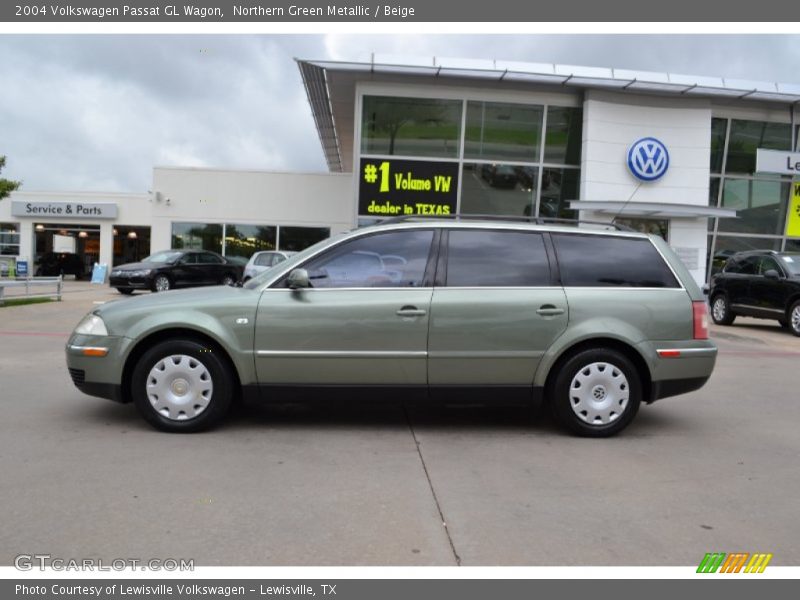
(721, 312)
(126, 291)
(614, 387)
(228, 279)
(161, 283)
(794, 318)
(200, 368)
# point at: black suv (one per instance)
(759, 283)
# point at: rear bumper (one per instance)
(681, 368)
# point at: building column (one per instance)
(107, 244)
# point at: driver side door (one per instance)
(362, 323)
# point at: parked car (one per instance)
(761, 283)
(499, 176)
(261, 261)
(53, 264)
(163, 271)
(592, 322)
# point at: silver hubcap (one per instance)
(599, 393)
(227, 281)
(719, 309)
(796, 318)
(162, 283)
(179, 387)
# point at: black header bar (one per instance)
(396, 11)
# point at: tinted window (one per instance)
(496, 258)
(396, 259)
(607, 261)
(209, 259)
(768, 264)
(188, 259)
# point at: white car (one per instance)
(261, 261)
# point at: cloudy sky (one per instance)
(98, 112)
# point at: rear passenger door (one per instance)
(495, 311)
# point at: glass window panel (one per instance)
(411, 126)
(559, 186)
(396, 259)
(747, 136)
(197, 236)
(713, 198)
(294, 239)
(760, 205)
(496, 258)
(497, 189)
(503, 131)
(718, 127)
(564, 135)
(605, 261)
(659, 227)
(9, 239)
(245, 240)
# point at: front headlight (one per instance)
(139, 273)
(91, 325)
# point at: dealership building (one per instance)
(669, 154)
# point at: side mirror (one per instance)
(771, 274)
(298, 279)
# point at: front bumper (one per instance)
(92, 373)
(136, 283)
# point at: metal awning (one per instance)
(652, 210)
(330, 86)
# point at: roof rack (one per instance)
(512, 218)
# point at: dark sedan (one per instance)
(175, 268)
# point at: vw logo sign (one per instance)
(648, 159)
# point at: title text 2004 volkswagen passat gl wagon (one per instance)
(593, 322)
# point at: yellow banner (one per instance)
(793, 220)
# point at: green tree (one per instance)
(6, 185)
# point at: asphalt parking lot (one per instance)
(715, 470)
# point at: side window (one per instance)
(608, 261)
(478, 258)
(396, 259)
(768, 263)
(207, 258)
(733, 266)
(188, 259)
(263, 260)
(749, 265)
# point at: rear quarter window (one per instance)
(608, 261)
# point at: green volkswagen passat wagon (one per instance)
(591, 321)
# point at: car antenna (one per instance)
(624, 204)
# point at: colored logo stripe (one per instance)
(734, 562)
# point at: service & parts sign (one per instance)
(391, 188)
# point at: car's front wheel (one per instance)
(161, 283)
(721, 312)
(182, 386)
(794, 318)
(228, 279)
(596, 393)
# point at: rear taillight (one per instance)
(700, 318)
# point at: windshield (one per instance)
(162, 257)
(791, 263)
(294, 259)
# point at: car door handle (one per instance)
(548, 310)
(411, 311)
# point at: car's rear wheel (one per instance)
(721, 312)
(596, 393)
(161, 283)
(182, 386)
(794, 318)
(126, 291)
(228, 279)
